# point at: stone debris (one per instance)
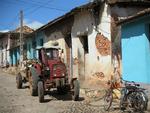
(11, 70)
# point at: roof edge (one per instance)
(70, 13)
(130, 18)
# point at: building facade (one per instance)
(4, 49)
(135, 39)
(88, 36)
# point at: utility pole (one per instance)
(21, 37)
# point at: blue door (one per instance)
(135, 53)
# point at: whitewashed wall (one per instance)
(56, 36)
(4, 55)
(0, 57)
(84, 24)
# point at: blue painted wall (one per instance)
(11, 58)
(136, 51)
(18, 54)
(39, 41)
(40, 36)
(14, 56)
(31, 50)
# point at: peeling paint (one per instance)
(99, 75)
(102, 44)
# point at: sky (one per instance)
(36, 13)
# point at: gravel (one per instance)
(13, 100)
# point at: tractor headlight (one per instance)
(63, 74)
(55, 75)
(47, 68)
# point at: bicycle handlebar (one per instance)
(128, 82)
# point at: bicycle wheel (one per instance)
(139, 103)
(108, 98)
(135, 102)
(130, 101)
(144, 99)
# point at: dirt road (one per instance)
(13, 100)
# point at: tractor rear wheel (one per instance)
(19, 81)
(40, 91)
(76, 90)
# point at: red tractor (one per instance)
(49, 72)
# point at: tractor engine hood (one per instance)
(58, 68)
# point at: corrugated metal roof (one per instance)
(145, 12)
(136, 2)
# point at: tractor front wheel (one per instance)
(33, 81)
(40, 91)
(76, 90)
(19, 81)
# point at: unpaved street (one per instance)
(13, 100)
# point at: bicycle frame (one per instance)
(130, 89)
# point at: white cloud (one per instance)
(35, 24)
(3, 31)
(32, 24)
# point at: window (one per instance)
(41, 42)
(52, 53)
(84, 41)
(25, 46)
(149, 32)
(29, 48)
(68, 40)
(147, 29)
(34, 44)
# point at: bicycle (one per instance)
(108, 97)
(132, 96)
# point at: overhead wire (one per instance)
(39, 2)
(37, 8)
(34, 4)
(42, 6)
(12, 23)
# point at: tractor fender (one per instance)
(37, 66)
(34, 71)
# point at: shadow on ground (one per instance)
(64, 97)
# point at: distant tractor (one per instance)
(46, 73)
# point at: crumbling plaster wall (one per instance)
(4, 50)
(84, 24)
(58, 37)
(120, 12)
(57, 33)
